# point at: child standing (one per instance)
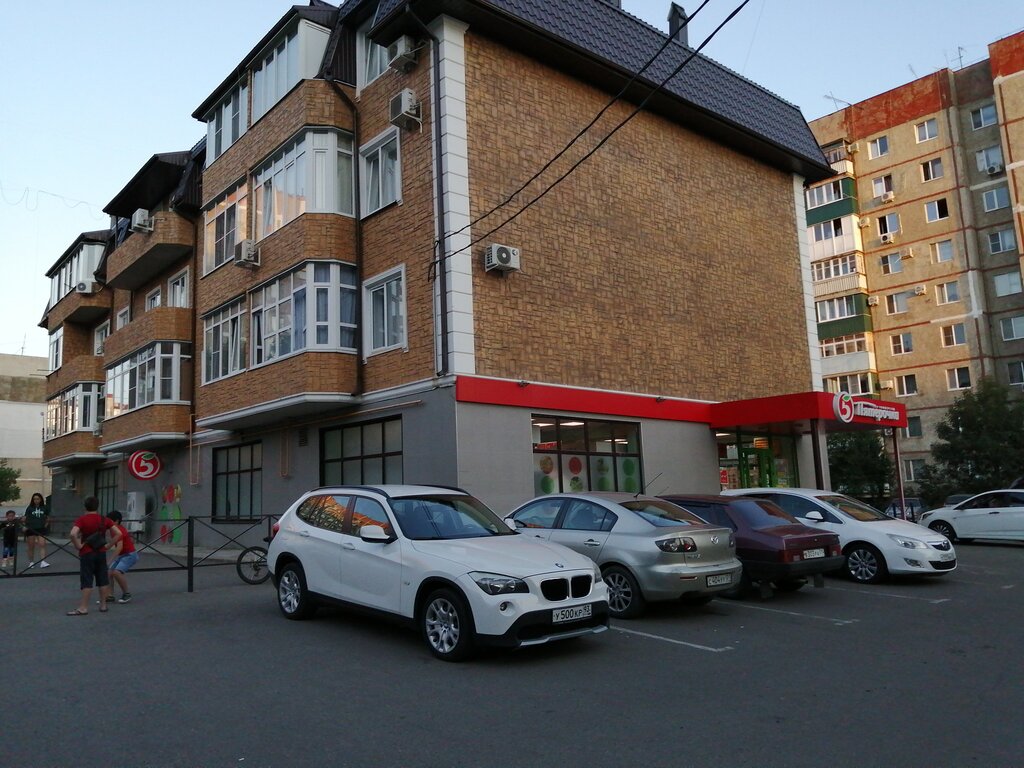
(10, 545)
(124, 557)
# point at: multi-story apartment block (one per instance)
(915, 246)
(356, 304)
(22, 397)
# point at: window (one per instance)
(936, 210)
(889, 224)
(326, 512)
(983, 116)
(153, 299)
(1002, 241)
(106, 489)
(997, 198)
(56, 357)
(989, 157)
(122, 318)
(958, 378)
(151, 375)
(539, 514)
(1015, 372)
(824, 194)
(912, 469)
(881, 185)
(572, 454)
(227, 122)
(368, 512)
(902, 343)
(891, 264)
(953, 335)
(897, 303)
(947, 293)
(381, 172)
(99, 337)
(842, 265)
(77, 268)
(932, 169)
(1007, 283)
(226, 224)
(913, 428)
(222, 342)
(295, 55)
(878, 147)
(312, 307)
(583, 515)
(943, 251)
(177, 290)
(834, 309)
(79, 408)
(362, 453)
(1012, 328)
(855, 384)
(373, 59)
(384, 311)
(238, 482)
(927, 130)
(844, 345)
(906, 385)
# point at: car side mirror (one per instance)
(816, 516)
(518, 523)
(374, 534)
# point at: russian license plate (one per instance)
(945, 557)
(561, 615)
(723, 578)
(810, 554)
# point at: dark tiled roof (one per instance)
(624, 41)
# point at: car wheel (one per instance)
(293, 597)
(865, 564)
(790, 585)
(941, 526)
(624, 598)
(447, 625)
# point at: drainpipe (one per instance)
(360, 363)
(442, 237)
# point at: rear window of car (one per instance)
(662, 513)
(760, 513)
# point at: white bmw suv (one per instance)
(437, 557)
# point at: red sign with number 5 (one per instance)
(144, 465)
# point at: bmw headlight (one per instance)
(496, 584)
(903, 541)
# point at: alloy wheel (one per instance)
(862, 564)
(620, 592)
(289, 591)
(442, 625)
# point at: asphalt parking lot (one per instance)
(911, 673)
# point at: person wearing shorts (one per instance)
(124, 557)
(92, 554)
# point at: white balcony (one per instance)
(853, 283)
(855, 362)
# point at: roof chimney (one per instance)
(677, 24)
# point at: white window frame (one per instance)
(837, 308)
(154, 299)
(878, 147)
(937, 251)
(906, 385)
(953, 382)
(1005, 240)
(1011, 283)
(231, 210)
(138, 380)
(996, 199)
(978, 116)
(844, 345)
(933, 210)
(908, 433)
(55, 356)
(122, 318)
(893, 303)
(835, 267)
(932, 170)
(893, 217)
(79, 267)
(954, 335)
(291, 57)
(901, 343)
(78, 409)
(824, 194)
(912, 468)
(989, 156)
(177, 290)
(373, 151)
(891, 263)
(942, 293)
(927, 130)
(370, 288)
(1012, 328)
(99, 337)
(852, 383)
(371, 59)
(1015, 373)
(227, 122)
(881, 185)
(223, 342)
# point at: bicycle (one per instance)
(252, 564)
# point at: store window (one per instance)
(238, 482)
(571, 454)
(106, 489)
(362, 453)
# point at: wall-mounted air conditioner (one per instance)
(920, 290)
(888, 197)
(141, 221)
(994, 169)
(402, 54)
(853, 148)
(503, 258)
(405, 110)
(887, 384)
(872, 301)
(246, 254)
(888, 237)
(864, 223)
(86, 286)
(908, 253)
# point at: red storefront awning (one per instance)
(837, 411)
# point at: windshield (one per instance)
(854, 508)
(662, 513)
(426, 518)
(761, 513)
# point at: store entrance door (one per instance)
(757, 467)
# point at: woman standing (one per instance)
(37, 520)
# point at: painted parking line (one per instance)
(649, 636)
(893, 595)
(832, 619)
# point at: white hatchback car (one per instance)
(874, 544)
(437, 557)
(989, 515)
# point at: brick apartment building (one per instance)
(916, 247)
(280, 315)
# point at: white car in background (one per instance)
(874, 544)
(989, 515)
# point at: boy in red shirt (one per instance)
(124, 557)
(89, 535)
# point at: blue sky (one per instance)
(92, 89)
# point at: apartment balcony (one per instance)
(837, 365)
(144, 255)
(84, 308)
(81, 368)
(844, 284)
(147, 427)
(836, 246)
(73, 448)
(843, 166)
(160, 324)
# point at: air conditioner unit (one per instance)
(405, 110)
(888, 197)
(86, 286)
(864, 223)
(141, 221)
(908, 253)
(994, 169)
(887, 384)
(872, 301)
(503, 258)
(888, 237)
(402, 54)
(246, 254)
(97, 430)
(920, 290)
(853, 148)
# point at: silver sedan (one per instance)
(648, 549)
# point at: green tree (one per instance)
(980, 445)
(859, 466)
(9, 489)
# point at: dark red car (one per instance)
(774, 547)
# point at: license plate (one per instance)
(946, 557)
(810, 554)
(561, 615)
(715, 581)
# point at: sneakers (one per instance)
(43, 564)
(125, 598)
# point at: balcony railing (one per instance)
(852, 283)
